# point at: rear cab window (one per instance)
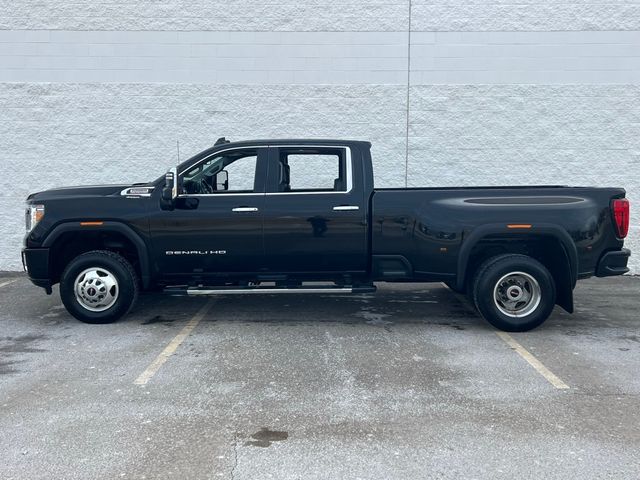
(313, 170)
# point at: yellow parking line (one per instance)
(533, 361)
(9, 282)
(170, 349)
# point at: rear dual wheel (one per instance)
(514, 293)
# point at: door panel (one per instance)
(213, 234)
(313, 231)
(221, 235)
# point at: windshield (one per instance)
(206, 169)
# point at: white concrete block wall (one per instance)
(525, 57)
(534, 91)
(524, 15)
(206, 15)
(204, 57)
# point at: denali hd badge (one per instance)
(195, 252)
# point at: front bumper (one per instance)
(613, 263)
(36, 263)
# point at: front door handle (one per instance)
(244, 209)
(346, 207)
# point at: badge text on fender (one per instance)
(195, 252)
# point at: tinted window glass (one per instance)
(311, 170)
(230, 172)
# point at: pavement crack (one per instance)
(235, 455)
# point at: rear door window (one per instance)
(312, 170)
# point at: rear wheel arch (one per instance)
(549, 244)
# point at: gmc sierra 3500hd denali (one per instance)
(271, 216)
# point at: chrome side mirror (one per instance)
(170, 190)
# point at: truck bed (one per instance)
(431, 224)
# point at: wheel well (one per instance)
(71, 244)
(545, 248)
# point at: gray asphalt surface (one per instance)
(409, 383)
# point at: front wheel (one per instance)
(98, 287)
(514, 293)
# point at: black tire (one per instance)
(121, 298)
(503, 278)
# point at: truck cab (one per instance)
(293, 208)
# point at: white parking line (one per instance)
(533, 361)
(170, 349)
(520, 350)
(8, 282)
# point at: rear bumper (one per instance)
(613, 263)
(36, 263)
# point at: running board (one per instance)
(267, 290)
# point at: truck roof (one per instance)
(286, 141)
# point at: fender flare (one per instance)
(540, 229)
(108, 226)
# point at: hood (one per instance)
(80, 192)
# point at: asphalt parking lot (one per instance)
(409, 383)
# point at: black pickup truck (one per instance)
(276, 216)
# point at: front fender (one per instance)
(107, 226)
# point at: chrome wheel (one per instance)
(517, 294)
(96, 289)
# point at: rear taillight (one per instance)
(620, 209)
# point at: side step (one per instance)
(267, 290)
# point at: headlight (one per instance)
(33, 215)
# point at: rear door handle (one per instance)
(244, 209)
(346, 207)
